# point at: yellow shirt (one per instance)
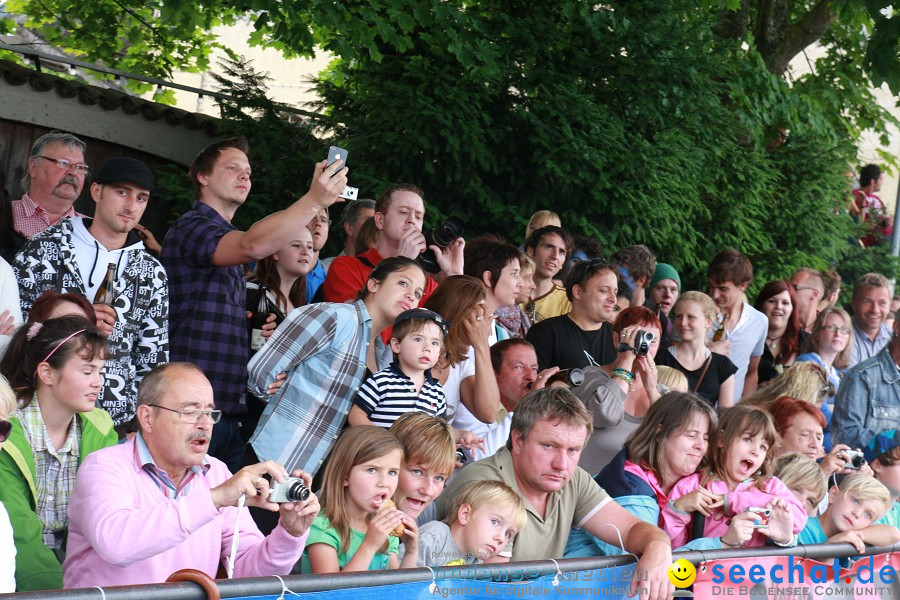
(552, 304)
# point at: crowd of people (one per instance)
(409, 403)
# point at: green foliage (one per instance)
(282, 152)
(154, 38)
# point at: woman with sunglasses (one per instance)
(57, 376)
(7, 543)
(829, 346)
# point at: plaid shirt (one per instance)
(54, 472)
(322, 348)
(207, 322)
(29, 219)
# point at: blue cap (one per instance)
(881, 443)
(423, 313)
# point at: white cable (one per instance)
(621, 543)
(284, 588)
(558, 574)
(433, 588)
(102, 593)
(229, 564)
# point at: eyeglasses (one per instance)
(5, 429)
(192, 415)
(835, 328)
(322, 220)
(800, 288)
(67, 165)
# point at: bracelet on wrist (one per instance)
(724, 543)
(624, 375)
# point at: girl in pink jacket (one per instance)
(736, 484)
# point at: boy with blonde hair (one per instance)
(852, 508)
(482, 518)
(804, 478)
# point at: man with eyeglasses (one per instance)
(868, 399)
(158, 503)
(809, 289)
(53, 181)
(318, 227)
(583, 336)
(76, 254)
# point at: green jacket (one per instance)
(37, 567)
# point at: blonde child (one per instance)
(852, 508)
(482, 518)
(353, 531)
(406, 385)
(671, 378)
(804, 478)
(737, 476)
(429, 449)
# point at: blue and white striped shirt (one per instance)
(390, 393)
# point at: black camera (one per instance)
(292, 489)
(570, 377)
(642, 341)
(441, 236)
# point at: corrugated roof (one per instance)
(15, 74)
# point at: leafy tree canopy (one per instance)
(669, 124)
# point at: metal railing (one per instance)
(512, 572)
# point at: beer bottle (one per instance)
(720, 333)
(107, 294)
(258, 319)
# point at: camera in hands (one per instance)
(292, 489)
(855, 459)
(642, 341)
(441, 236)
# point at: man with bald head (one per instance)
(159, 503)
(809, 289)
(53, 181)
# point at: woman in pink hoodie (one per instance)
(736, 484)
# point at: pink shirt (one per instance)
(29, 219)
(124, 530)
(747, 494)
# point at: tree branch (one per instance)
(779, 40)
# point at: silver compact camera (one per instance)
(642, 341)
(292, 489)
(855, 459)
(762, 515)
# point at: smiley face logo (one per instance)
(682, 573)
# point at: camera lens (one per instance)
(298, 492)
(858, 461)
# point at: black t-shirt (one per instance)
(720, 369)
(559, 342)
(766, 370)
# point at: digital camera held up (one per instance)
(642, 341)
(441, 236)
(292, 489)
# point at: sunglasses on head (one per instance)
(5, 429)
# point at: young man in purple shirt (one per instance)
(204, 254)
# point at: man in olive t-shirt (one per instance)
(540, 461)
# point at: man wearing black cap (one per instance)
(75, 256)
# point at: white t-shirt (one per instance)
(748, 340)
(7, 554)
(495, 434)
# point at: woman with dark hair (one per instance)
(284, 275)
(777, 301)
(49, 305)
(670, 444)
(325, 349)
(464, 369)
(619, 394)
(56, 375)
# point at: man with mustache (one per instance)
(75, 255)
(159, 503)
(53, 181)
